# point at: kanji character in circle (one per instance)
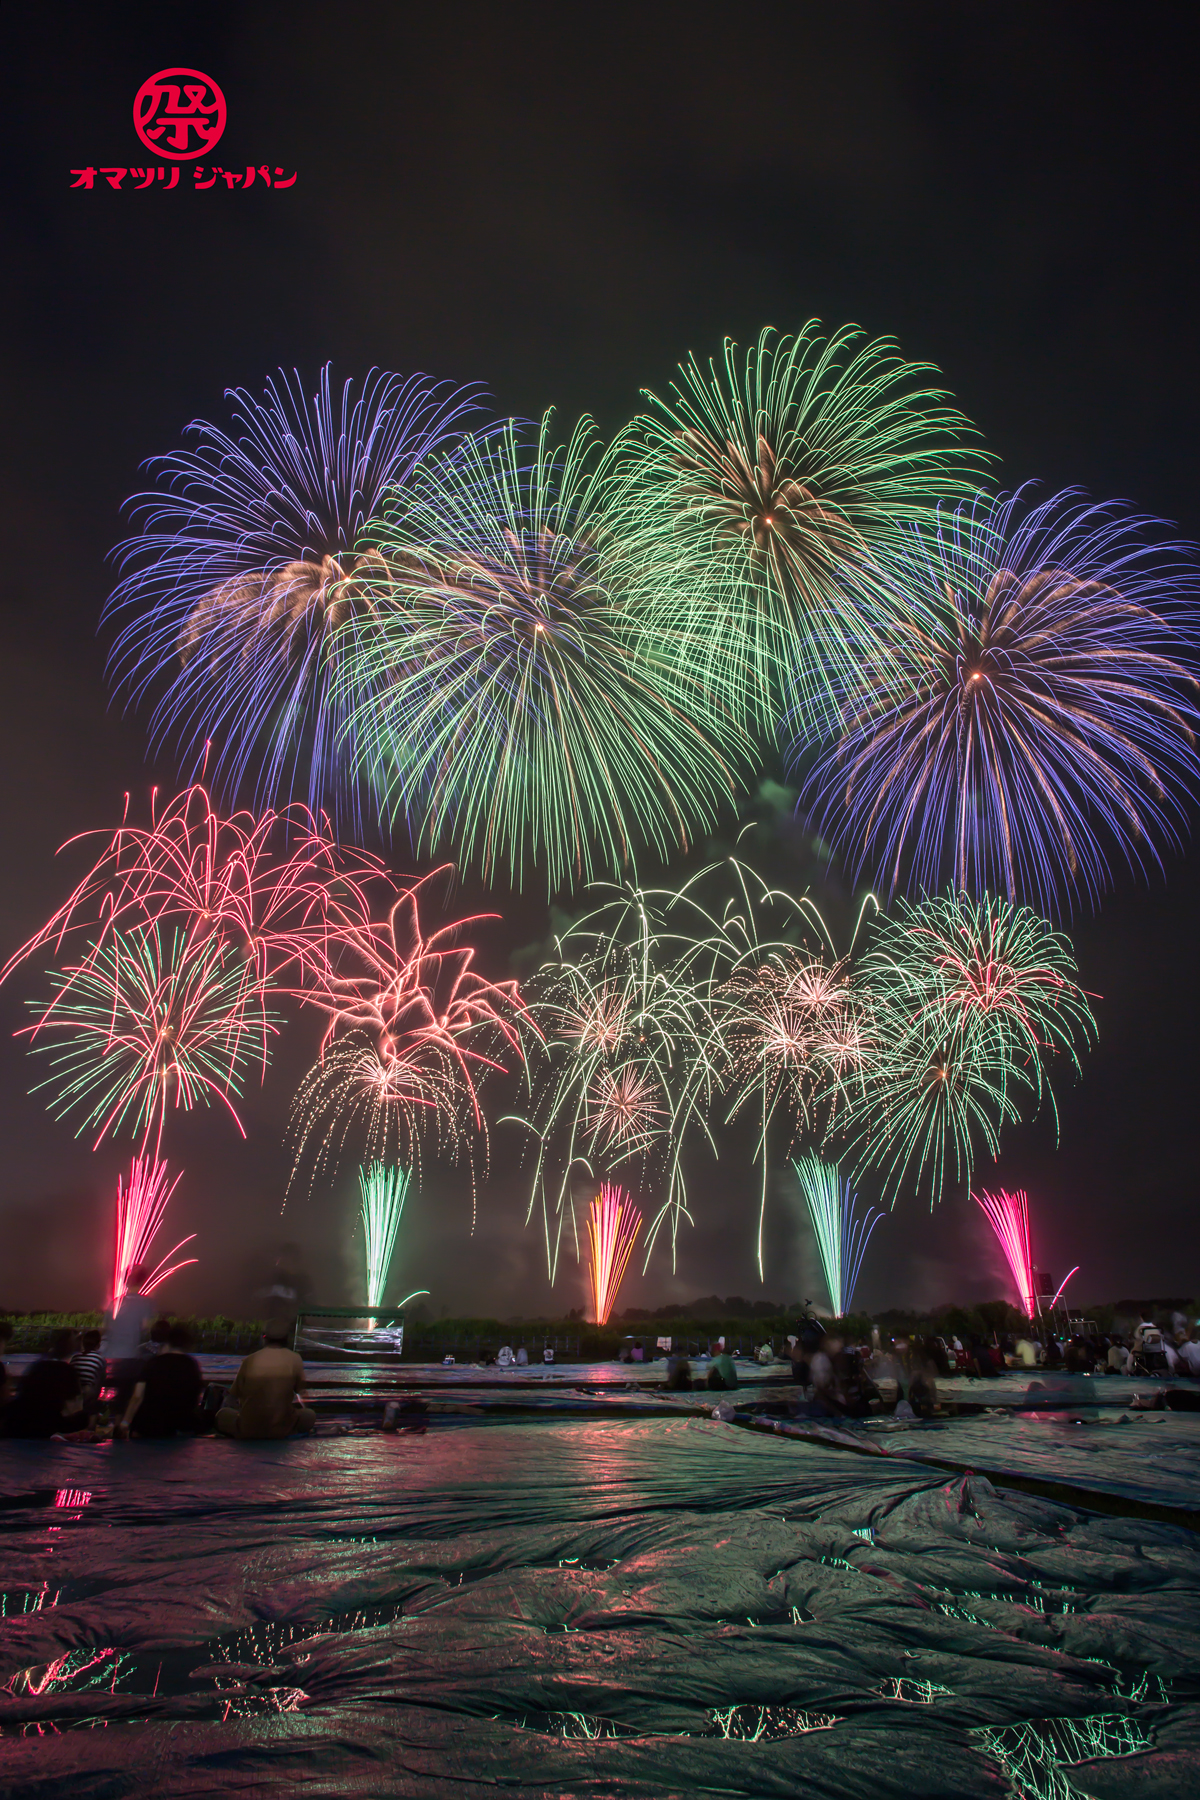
(179, 113)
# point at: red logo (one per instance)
(179, 113)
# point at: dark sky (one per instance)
(560, 202)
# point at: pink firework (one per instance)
(141, 1204)
(613, 1224)
(416, 995)
(274, 888)
(1008, 1216)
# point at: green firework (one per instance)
(499, 693)
(966, 1002)
(757, 501)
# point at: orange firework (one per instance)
(613, 1224)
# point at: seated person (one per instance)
(679, 1375)
(6, 1334)
(264, 1401)
(721, 1372)
(167, 1398)
(90, 1367)
(48, 1398)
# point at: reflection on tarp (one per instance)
(636, 1608)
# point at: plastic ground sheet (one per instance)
(649, 1607)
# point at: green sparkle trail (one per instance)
(842, 1237)
(384, 1191)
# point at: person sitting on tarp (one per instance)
(49, 1396)
(721, 1372)
(679, 1375)
(167, 1398)
(265, 1399)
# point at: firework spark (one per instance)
(756, 500)
(247, 567)
(1037, 708)
(497, 688)
(613, 1223)
(141, 1205)
(1008, 1216)
(842, 1237)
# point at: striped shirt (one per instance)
(90, 1367)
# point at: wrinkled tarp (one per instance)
(642, 1608)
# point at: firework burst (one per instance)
(147, 1024)
(968, 1005)
(1036, 707)
(411, 1030)
(273, 890)
(757, 499)
(627, 1072)
(247, 566)
(497, 687)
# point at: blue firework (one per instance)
(1032, 711)
(246, 566)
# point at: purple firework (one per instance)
(1032, 707)
(247, 565)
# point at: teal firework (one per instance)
(756, 501)
(497, 692)
(842, 1235)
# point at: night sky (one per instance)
(560, 203)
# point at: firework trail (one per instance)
(1008, 1216)
(613, 1222)
(756, 501)
(141, 1205)
(1036, 707)
(247, 567)
(842, 1238)
(496, 688)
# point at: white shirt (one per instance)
(127, 1327)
